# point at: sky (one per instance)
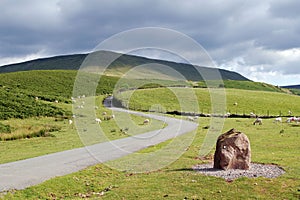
(258, 39)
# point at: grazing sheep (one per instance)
(36, 98)
(258, 121)
(56, 101)
(109, 117)
(70, 121)
(190, 118)
(146, 121)
(278, 119)
(252, 115)
(293, 119)
(98, 121)
(235, 103)
(104, 113)
(227, 115)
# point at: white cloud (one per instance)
(259, 39)
(12, 60)
(278, 67)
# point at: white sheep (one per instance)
(293, 119)
(190, 118)
(70, 121)
(98, 121)
(252, 115)
(146, 121)
(227, 115)
(278, 119)
(258, 120)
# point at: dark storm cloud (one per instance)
(256, 32)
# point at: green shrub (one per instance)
(4, 128)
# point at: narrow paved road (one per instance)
(25, 173)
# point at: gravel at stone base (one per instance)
(256, 170)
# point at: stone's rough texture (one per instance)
(232, 151)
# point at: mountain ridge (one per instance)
(122, 64)
(291, 86)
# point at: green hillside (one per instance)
(121, 65)
(19, 92)
(295, 89)
(260, 102)
(244, 85)
(44, 135)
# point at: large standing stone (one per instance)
(232, 151)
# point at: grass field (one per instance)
(178, 181)
(259, 102)
(244, 85)
(66, 136)
(270, 142)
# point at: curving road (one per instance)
(25, 173)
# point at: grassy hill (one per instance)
(295, 89)
(291, 86)
(244, 85)
(19, 91)
(123, 63)
(177, 180)
(262, 103)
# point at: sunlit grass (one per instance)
(178, 181)
(198, 100)
(62, 135)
